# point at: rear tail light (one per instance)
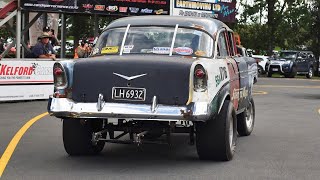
(199, 73)
(60, 80)
(199, 79)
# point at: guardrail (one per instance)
(26, 79)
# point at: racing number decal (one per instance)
(222, 76)
(234, 81)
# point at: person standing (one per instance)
(44, 49)
(83, 50)
(54, 40)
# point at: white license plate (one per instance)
(129, 93)
(274, 69)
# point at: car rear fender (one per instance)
(216, 104)
(68, 68)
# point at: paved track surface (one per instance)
(285, 144)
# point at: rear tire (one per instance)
(269, 74)
(245, 120)
(310, 73)
(77, 136)
(216, 138)
(293, 73)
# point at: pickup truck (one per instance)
(150, 77)
(290, 63)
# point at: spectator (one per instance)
(54, 40)
(1, 46)
(83, 50)
(43, 49)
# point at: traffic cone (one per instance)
(75, 54)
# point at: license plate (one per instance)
(274, 69)
(129, 93)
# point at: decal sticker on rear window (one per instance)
(110, 50)
(127, 48)
(185, 51)
(200, 53)
(146, 50)
(161, 50)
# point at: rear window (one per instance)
(155, 40)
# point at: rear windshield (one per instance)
(155, 40)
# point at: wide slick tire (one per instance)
(216, 138)
(246, 120)
(77, 136)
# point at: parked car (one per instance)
(261, 60)
(290, 63)
(152, 76)
(242, 51)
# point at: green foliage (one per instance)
(5, 33)
(82, 26)
(289, 24)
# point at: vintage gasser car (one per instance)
(152, 76)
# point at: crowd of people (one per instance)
(46, 42)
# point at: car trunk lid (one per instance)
(167, 78)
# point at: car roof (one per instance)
(209, 25)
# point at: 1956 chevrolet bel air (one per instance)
(152, 76)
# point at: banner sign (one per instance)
(26, 72)
(112, 7)
(224, 10)
(25, 92)
(24, 80)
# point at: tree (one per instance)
(83, 26)
(287, 25)
(315, 26)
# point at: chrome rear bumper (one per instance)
(63, 107)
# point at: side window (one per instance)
(231, 43)
(222, 45)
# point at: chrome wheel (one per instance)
(249, 116)
(231, 133)
(310, 73)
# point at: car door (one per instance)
(227, 50)
(302, 62)
(240, 67)
(312, 61)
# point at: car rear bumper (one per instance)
(64, 108)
